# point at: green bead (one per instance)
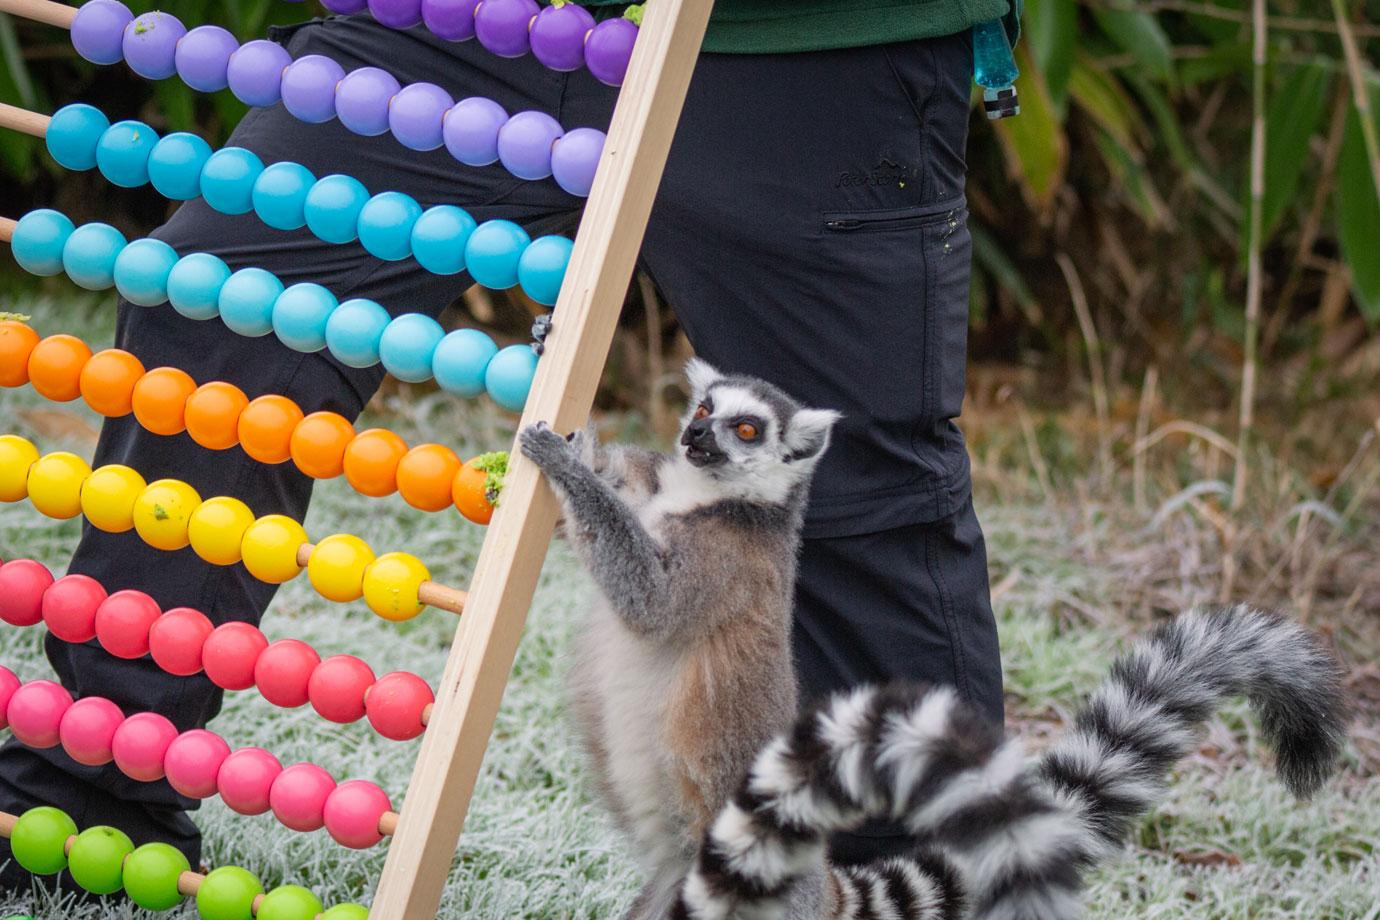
(151, 874)
(289, 902)
(346, 912)
(97, 858)
(39, 840)
(228, 893)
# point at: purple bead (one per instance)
(309, 87)
(417, 115)
(361, 100)
(344, 7)
(396, 14)
(150, 44)
(502, 25)
(608, 50)
(558, 36)
(256, 72)
(98, 32)
(575, 158)
(203, 56)
(524, 144)
(452, 20)
(471, 130)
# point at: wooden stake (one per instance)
(54, 14)
(420, 855)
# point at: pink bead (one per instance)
(176, 639)
(22, 583)
(395, 704)
(123, 621)
(69, 607)
(337, 688)
(193, 762)
(88, 728)
(245, 779)
(283, 672)
(140, 743)
(299, 794)
(229, 654)
(35, 712)
(353, 811)
(8, 684)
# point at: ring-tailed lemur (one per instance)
(684, 696)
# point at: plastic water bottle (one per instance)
(994, 69)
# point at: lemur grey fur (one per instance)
(684, 696)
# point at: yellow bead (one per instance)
(391, 583)
(270, 548)
(55, 484)
(16, 456)
(162, 512)
(108, 496)
(336, 567)
(217, 528)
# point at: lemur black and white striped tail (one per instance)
(1112, 766)
(1006, 839)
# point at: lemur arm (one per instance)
(631, 471)
(624, 559)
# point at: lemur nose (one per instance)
(696, 431)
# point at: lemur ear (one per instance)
(701, 376)
(807, 435)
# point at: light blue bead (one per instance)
(508, 377)
(300, 315)
(407, 346)
(141, 272)
(385, 225)
(493, 251)
(439, 237)
(39, 238)
(123, 151)
(280, 195)
(246, 301)
(541, 268)
(73, 134)
(89, 254)
(460, 361)
(227, 180)
(194, 285)
(332, 208)
(354, 330)
(175, 165)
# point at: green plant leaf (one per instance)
(1139, 34)
(991, 258)
(1358, 216)
(1051, 28)
(1130, 175)
(1034, 142)
(1293, 115)
(1099, 94)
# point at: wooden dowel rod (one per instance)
(431, 593)
(45, 11)
(22, 120)
(7, 229)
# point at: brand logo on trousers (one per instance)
(886, 174)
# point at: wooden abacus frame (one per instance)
(495, 611)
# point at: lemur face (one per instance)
(744, 428)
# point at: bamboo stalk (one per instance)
(1359, 93)
(45, 11)
(1097, 372)
(22, 120)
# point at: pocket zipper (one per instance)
(910, 217)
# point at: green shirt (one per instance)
(780, 26)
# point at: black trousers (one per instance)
(810, 230)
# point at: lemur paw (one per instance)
(544, 447)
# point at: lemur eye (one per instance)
(747, 431)
(701, 411)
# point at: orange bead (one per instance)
(371, 462)
(107, 382)
(425, 474)
(55, 366)
(160, 400)
(468, 492)
(266, 426)
(17, 342)
(213, 414)
(318, 444)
